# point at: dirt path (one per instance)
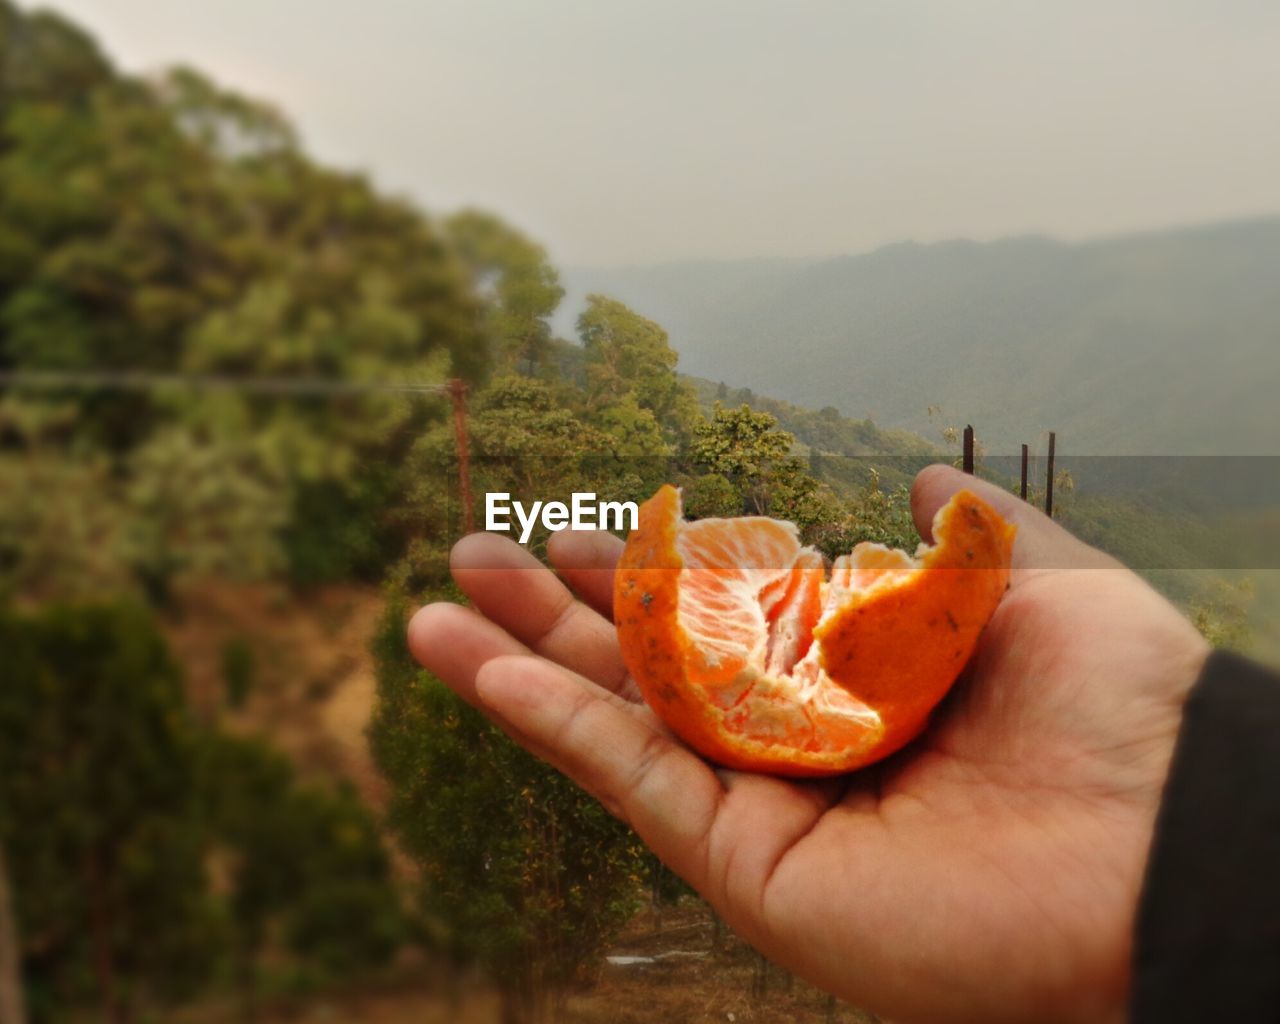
(313, 687)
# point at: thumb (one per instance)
(1041, 543)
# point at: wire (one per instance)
(137, 380)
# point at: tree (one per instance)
(83, 524)
(203, 506)
(303, 861)
(98, 779)
(62, 526)
(871, 514)
(522, 873)
(630, 356)
(740, 462)
(199, 239)
(115, 808)
(632, 429)
(532, 440)
(745, 448)
(44, 57)
(521, 288)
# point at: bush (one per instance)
(117, 812)
(306, 858)
(239, 670)
(522, 873)
(99, 810)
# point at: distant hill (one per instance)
(1166, 342)
(819, 431)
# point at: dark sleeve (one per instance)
(1207, 941)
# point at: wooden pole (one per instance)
(1048, 487)
(11, 1011)
(457, 392)
(1024, 473)
(968, 450)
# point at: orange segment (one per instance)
(726, 565)
(750, 656)
(792, 606)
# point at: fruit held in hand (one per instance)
(757, 661)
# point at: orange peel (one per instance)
(756, 659)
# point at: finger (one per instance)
(1041, 543)
(668, 795)
(934, 486)
(586, 560)
(520, 594)
(725, 833)
(453, 643)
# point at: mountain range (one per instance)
(1158, 343)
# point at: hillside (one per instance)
(823, 431)
(1154, 343)
(1203, 530)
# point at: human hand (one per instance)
(990, 871)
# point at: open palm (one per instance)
(990, 871)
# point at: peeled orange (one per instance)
(741, 643)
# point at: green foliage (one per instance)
(1221, 613)
(746, 449)
(710, 496)
(306, 859)
(344, 530)
(99, 809)
(176, 227)
(1175, 547)
(872, 514)
(852, 489)
(740, 445)
(83, 523)
(521, 287)
(205, 507)
(531, 439)
(629, 361)
(1146, 534)
(747, 467)
(141, 847)
(823, 431)
(62, 527)
(239, 668)
(632, 430)
(523, 873)
(44, 57)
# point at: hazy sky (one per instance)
(668, 129)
